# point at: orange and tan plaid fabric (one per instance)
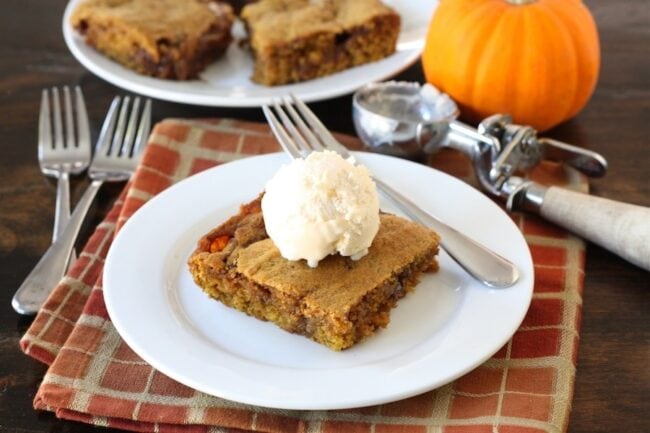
(96, 378)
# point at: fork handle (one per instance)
(50, 269)
(480, 262)
(62, 208)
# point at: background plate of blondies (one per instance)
(448, 326)
(227, 81)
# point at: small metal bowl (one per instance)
(395, 118)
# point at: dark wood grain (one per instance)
(613, 379)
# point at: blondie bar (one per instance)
(161, 38)
(338, 303)
(296, 40)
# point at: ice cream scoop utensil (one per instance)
(302, 133)
(401, 118)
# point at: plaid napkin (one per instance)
(96, 378)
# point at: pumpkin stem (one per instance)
(520, 2)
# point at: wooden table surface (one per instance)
(612, 390)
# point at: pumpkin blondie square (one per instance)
(162, 38)
(297, 40)
(338, 303)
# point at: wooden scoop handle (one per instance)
(619, 227)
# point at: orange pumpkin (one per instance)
(537, 60)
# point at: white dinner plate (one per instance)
(227, 81)
(447, 327)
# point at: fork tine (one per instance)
(297, 139)
(69, 128)
(83, 125)
(118, 135)
(129, 136)
(44, 125)
(143, 131)
(104, 140)
(314, 122)
(306, 132)
(58, 124)
(283, 138)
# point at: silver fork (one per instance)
(117, 152)
(300, 134)
(60, 158)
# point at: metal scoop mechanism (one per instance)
(412, 120)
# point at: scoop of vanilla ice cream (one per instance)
(319, 206)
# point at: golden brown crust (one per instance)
(281, 21)
(338, 282)
(161, 38)
(338, 303)
(295, 40)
